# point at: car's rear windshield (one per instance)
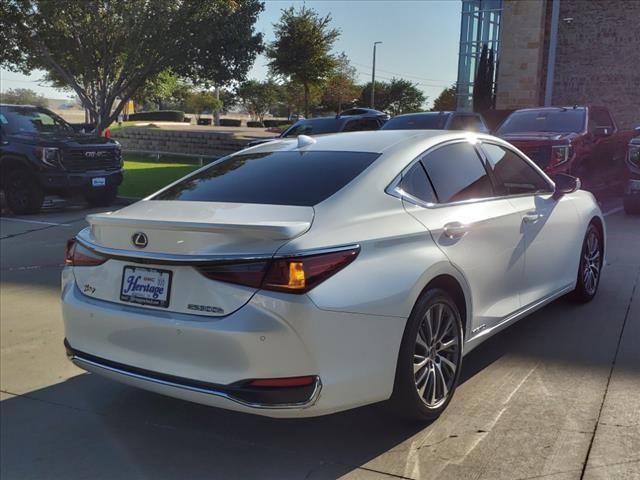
(552, 121)
(313, 127)
(428, 121)
(276, 178)
(31, 120)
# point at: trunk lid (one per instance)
(181, 235)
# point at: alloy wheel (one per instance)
(591, 263)
(436, 355)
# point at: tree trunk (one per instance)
(306, 99)
(216, 112)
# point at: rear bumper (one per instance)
(62, 181)
(208, 360)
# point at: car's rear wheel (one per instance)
(590, 265)
(23, 194)
(430, 357)
(103, 197)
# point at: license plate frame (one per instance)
(97, 182)
(145, 299)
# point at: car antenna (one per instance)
(305, 141)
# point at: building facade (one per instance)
(559, 52)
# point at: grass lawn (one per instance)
(142, 178)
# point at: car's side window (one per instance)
(513, 175)
(416, 183)
(457, 173)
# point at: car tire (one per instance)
(631, 204)
(430, 358)
(590, 266)
(101, 198)
(23, 194)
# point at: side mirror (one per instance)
(565, 184)
(602, 132)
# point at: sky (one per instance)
(420, 41)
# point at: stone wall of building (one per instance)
(207, 144)
(521, 53)
(598, 56)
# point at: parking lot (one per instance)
(556, 396)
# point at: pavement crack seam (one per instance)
(613, 365)
(27, 232)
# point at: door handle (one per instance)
(455, 230)
(531, 217)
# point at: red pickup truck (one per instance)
(583, 141)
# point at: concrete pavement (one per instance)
(556, 396)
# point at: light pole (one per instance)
(373, 75)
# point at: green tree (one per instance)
(107, 51)
(258, 97)
(483, 98)
(382, 95)
(23, 96)
(446, 101)
(405, 97)
(397, 96)
(341, 87)
(158, 90)
(203, 101)
(301, 51)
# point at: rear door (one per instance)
(480, 234)
(547, 225)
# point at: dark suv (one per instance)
(632, 189)
(438, 121)
(322, 125)
(42, 154)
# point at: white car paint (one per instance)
(348, 329)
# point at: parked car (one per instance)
(581, 140)
(42, 154)
(367, 112)
(324, 125)
(438, 121)
(364, 269)
(632, 189)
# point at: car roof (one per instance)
(419, 114)
(373, 141)
(551, 109)
(13, 105)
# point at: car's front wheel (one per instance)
(590, 265)
(430, 357)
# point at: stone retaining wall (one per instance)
(210, 144)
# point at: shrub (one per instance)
(230, 122)
(255, 124)
(159, 116)
(272, 123)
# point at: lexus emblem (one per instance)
(139, 239)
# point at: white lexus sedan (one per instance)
(303, 277)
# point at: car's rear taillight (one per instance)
(249, 274)
(76, 255)
(301, 274)
(297, 274)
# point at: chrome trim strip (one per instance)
(394, 189)
(524, 311)
(173, 258)
(79, 361)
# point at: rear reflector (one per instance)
(293, 275)
(282, 382)
(76, 255)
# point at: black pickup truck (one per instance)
(42, 154)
